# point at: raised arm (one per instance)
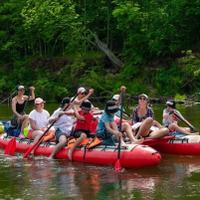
(32, 93)
(91, 91)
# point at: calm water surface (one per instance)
(177, 177)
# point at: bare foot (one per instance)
(69, 154)
(123, 144)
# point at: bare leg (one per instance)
(36, 135)
(126, 127)
(78, 141)
(24, 122)
(145, 127)
(175, 127)
(62, 142)
(157, 124)
(159, 133)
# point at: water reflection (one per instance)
(58, 179)
(177, 177)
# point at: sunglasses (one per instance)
(142, 98)
(39, 104)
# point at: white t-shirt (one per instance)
(65, 122)
(41, 118)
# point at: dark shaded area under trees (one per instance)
(57, 45)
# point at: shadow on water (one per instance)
(177, 177)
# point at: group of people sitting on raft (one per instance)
(76, 118)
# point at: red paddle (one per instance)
(36, 145)
(10, 147)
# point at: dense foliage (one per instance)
(50, 44)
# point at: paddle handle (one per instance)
(118, 166)
(192, 128)
(123, 88)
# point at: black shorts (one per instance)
(77, 133)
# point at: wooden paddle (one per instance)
(192, 128)
(10, 147)
(118, 166)
(36, 145)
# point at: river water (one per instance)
(177, 177)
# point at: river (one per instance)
(177, 177)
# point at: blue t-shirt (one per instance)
(105, 118)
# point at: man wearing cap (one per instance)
(82, 95)
(20, 119)
(63, 125)
(39, 119)
(107, 128)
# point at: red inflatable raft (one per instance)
(133, 156)
(186, 145)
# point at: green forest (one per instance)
(151, 46)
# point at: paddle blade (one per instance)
(10, 147)
(118, 167)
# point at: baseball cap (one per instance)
(39, 100)
(116, 97)
(111, 107)
(64, 101)
(20, 87)
(171, 103)
(86, 105)
(143, 95)
(81, 90)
